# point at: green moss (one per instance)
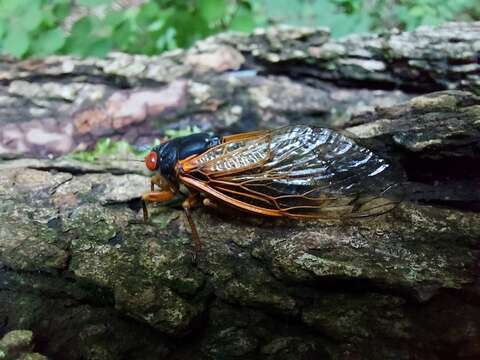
(473, 112)
(89, 225)
(350, 316)
(156, 305)
(30, 246)
(327, 267)
(162, 216)
(16, 340)
(257, 291)
(171, 263)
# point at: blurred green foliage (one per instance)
(40, 27)
(409, 14)
(108, 149)
(94, 27)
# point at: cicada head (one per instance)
(165, 156)
(154, 157)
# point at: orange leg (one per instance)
(187, 205)
(158, 180)
(155, 196)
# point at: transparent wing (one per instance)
(296, 171)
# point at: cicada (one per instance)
(295, 171)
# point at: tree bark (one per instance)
(92, 282)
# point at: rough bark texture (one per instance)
(91, 282)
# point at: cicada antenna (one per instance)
(136, 160)
(116, 159)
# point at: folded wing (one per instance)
(296, 171)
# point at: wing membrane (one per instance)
(296, 171)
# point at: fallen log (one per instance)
(90, 281)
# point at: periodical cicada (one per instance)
(294, 171)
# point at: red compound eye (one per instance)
(151, 160)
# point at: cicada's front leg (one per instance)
(155, 196)
(158, 180)
(166, 193)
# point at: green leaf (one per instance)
(76, 45)
(167, 41)
(147, 14)
(114, 18)
(188, 28)
(418, 11)
(83, 26)
(122, 36)
(31, 18)
(106, 149)
(99, 48)
(61, 10)
(156, 25)
(49, 42)
(9, 8)
(102, 146)
(212, 10)
(81, 37)
(16, 42)
(242, 20)
(3, 28)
